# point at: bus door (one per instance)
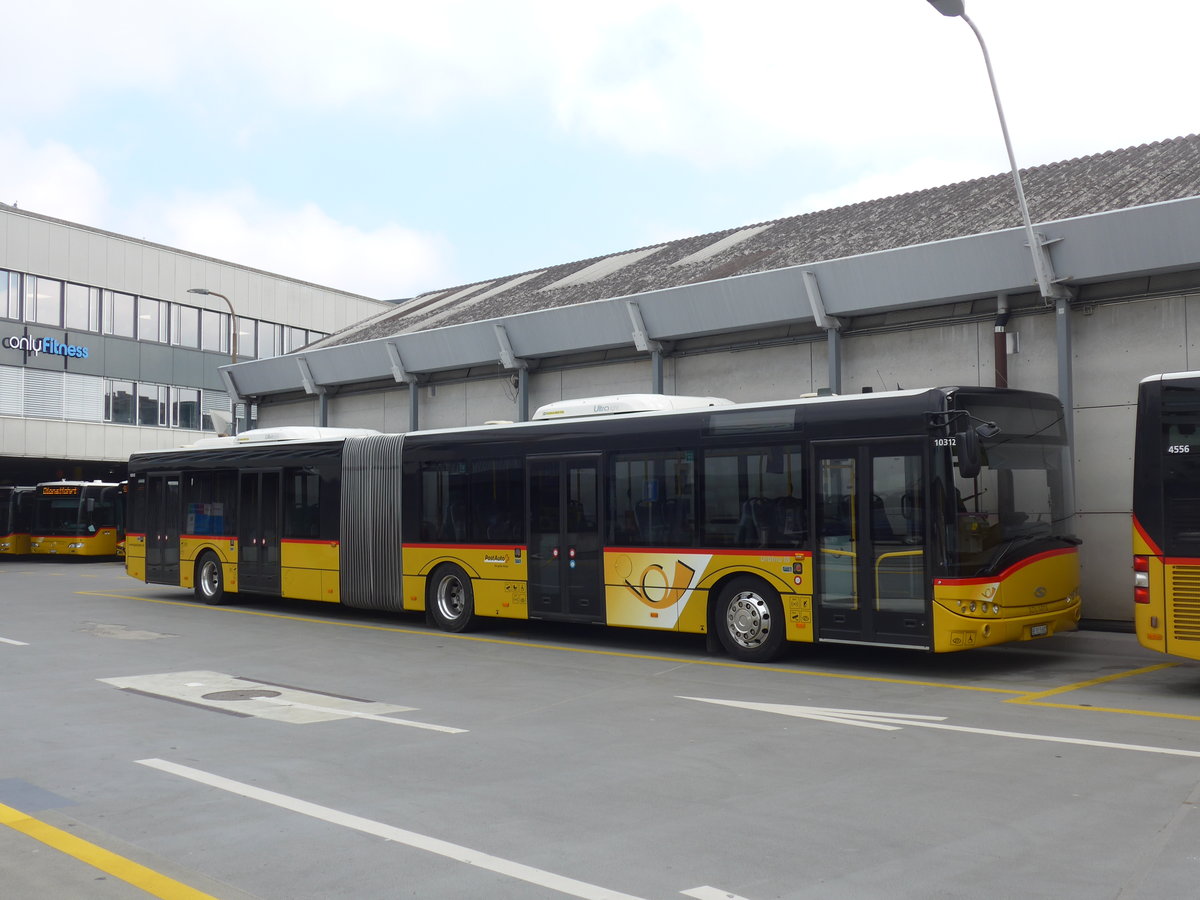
(258, 532)
(565, 575)
(870, 561)
(162, 528)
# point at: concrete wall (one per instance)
(58, 439)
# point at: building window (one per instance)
(152, 405)
(10, 295)
(185, 331)
(118, 314)
(153, 320)
(185, 408)
(214, 331)
(118, 403)
(43, 301)
(294, 338)
(270, 339)
(247, 342)
(82, 308)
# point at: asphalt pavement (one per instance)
(155, 746)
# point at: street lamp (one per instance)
(233, 333)
(1042, 269)
(233, 343)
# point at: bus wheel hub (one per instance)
(749, 619)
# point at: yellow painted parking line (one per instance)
(1067, 688)
(443, 635)
(1036, 699)
(1148, 713)
(153, 883)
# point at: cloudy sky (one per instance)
(389, 148)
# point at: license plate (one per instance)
(1039, 630)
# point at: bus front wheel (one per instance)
(210, 579)
(451, 599)
(749, 620)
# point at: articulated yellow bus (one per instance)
(1166, 514)
(16, 517)
(77, 518)
(927, 519)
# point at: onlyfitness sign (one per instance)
(47, 345)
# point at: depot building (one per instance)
(105, 350)
(930, 288)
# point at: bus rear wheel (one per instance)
(209, 583)
(749, 620)
(451, 600)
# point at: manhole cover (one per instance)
(250, 694)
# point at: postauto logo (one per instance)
(48, 345)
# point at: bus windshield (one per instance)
(1179, 448)
(1016, 505)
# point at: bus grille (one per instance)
(1183, 593)
(370, 547)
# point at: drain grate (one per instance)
(249, 694)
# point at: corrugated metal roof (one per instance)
(1117, 179)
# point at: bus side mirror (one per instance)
(966, 448)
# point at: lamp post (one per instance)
(1042, 269)
(233, 333)
(233, 344)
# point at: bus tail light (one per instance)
(1141, 579)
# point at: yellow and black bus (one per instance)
(16, 518)
(929, 519)
(77, 518)
(1166, 514)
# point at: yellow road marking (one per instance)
(1035, 699)
(127, 870)
(1066, 688)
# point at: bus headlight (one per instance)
(74, 546)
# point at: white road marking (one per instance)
(14, 643)
(217, 690)
(412, 839)
(706, 892)
(895, 721)
(281, 701)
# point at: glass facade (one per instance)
(29, 301)
(35, 300)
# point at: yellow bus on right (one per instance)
(1166, 514)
